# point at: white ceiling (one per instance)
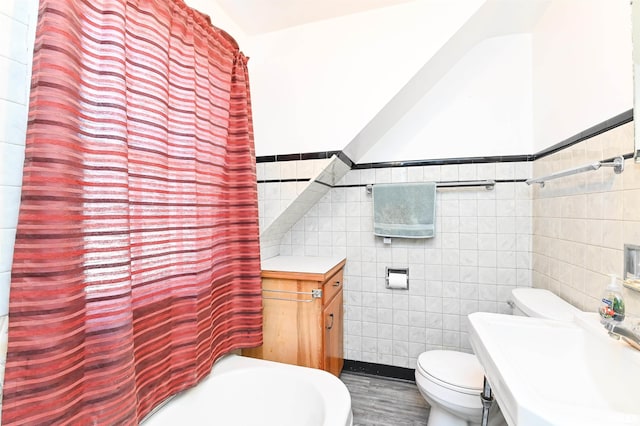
(261, 16)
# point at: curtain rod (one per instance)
(488, 184)
(617, 163)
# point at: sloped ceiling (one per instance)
(495, 18)
(364, 125)
(364, 122)
(261, 16)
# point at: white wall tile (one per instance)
(505, 170)
(449, 172)
(467, 172)
(18, 9)
(5, 281)
(415, 174)
(13, 85)
(9, 206)
(486, 171)
(11, 162)
(631, 205)
(7, 242)
(14, 44)
(288, 169)
(306, 169)
(383, 175)
(523, 170)
(432, 173)
(272, 170)
(14, 126)
(260, 171)
(585, 225)
(398, 174)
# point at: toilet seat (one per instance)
(457, 371)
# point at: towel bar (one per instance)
(617, 163)
(488, 184)
(315, 294)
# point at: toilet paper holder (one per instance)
(402, 271)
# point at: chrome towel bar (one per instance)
(617, 163)
(488, 184)
(315, 294)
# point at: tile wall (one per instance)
(481, 251)
(582, 222)
(279, 196)
(17, 32)
(276, 195)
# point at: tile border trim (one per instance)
(445, 161)
(592, 131)
(321, 155)
(284, 180)
(605, 126)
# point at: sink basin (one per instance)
(545, 372)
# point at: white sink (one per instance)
(546, 372)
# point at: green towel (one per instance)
(404, 210)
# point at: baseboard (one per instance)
(381, 370)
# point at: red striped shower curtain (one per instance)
(136, 260)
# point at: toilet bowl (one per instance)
(451, 381)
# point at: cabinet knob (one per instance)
(336, 284)
(330, 326)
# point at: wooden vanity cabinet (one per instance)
(303, 314)
(333, 335)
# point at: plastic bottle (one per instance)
(612, 304)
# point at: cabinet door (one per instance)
(291, 327)
(331, 287)
(333, 336)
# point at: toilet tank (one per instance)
(540, 303)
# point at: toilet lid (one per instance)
(540, 303)
(456, 369)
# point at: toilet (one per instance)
(451, 382)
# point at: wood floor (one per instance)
(379, 401)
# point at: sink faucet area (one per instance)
(631, 335)
(546, 372)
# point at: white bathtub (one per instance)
(243, 391)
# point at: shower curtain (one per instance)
(136, 260)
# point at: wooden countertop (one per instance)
(310, 268)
